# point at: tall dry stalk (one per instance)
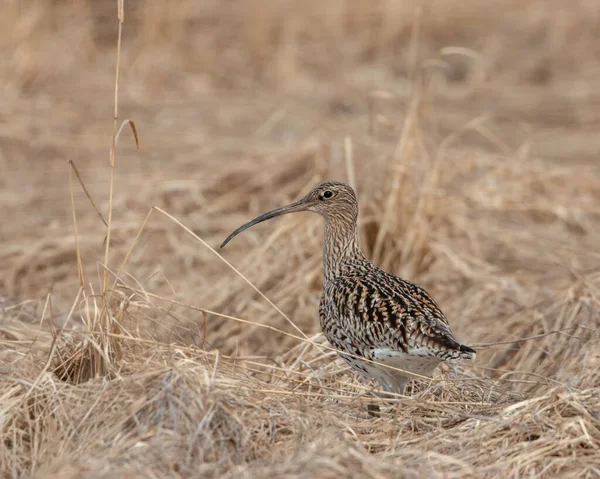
(97, 354)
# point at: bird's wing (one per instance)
(423, 298)
(426, 328)
(390, 312)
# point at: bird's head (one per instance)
(333, 200)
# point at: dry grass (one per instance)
(471, 134)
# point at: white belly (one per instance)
(396, 376)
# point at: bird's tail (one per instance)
(465, 352)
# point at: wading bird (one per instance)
(373, 318)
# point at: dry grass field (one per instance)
(471, 132)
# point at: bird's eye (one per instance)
(327, 194)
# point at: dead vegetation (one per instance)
(470, 132)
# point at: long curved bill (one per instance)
(297, 206)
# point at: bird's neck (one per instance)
(341, 247)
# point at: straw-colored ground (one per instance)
(471, 132)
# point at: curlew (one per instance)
(373, 318)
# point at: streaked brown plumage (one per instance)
(365, 311)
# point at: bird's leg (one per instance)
(374, 409)
(385, 394)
